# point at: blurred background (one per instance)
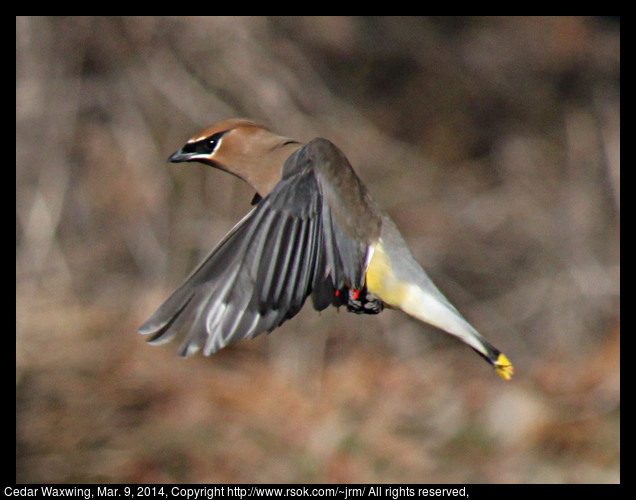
(492, 141)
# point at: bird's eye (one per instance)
(212, 142)
(205, 146)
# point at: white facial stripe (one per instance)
(217, 143)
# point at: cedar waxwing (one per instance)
(315, 230)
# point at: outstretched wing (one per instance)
(288, 247)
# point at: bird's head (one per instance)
(243, 148)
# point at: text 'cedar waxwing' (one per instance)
(315, 230)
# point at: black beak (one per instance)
(181, 156)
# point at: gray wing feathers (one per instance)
(262, 272)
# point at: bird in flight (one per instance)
(314, 231)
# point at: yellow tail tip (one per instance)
(504, 367)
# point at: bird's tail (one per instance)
(395, 277)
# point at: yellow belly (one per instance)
(381, 280)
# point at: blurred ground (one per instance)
(494, 143)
